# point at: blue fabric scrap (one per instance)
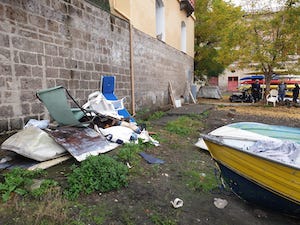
(150, 159)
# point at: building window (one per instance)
(183, 36)
(103, 4)
(160, 20)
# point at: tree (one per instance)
(261, 36)
(215, 29)
(270, 39)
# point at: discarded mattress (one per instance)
(33, 143)
(209, 92)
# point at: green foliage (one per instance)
(103, 4)
(183, 126)
(269, 39)
(90, 214)
(156, 115)
(96, 173)
(16, 181)
(45, 186)
(216, 35)
(201, 181)
(129, 153)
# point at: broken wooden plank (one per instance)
(192, 97)
(49, 163)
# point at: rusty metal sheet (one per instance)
(81, 142)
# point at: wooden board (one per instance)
(172, 94)
(49, 163)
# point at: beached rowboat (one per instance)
(264, 172)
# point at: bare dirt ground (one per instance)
(151, 188)
(148, 195)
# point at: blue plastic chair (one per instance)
(107, 87)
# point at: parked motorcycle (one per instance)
(243, 96)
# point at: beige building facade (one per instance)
(166, 20)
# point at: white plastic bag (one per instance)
(42, 124)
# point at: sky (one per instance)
(251, 5)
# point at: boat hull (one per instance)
(247, 174)
(255, 194)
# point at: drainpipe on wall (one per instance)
(131, 57)
(131, 69)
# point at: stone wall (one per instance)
(155, 65)
(44, 43)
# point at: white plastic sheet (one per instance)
(33, 143)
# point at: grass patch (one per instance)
(184, 126)
(95, 214)
(201, 181)
(156, 115)
(128, 153)
(50, 209)
(159, 219)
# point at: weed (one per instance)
(201, 181)
(161, 220)
(96, 173)
(126, 218)
(128, 153)
(156, 115)
(44, 188)
(16, 181)
(183, 126)
(50, 208)
(90, 215)
(205, 113)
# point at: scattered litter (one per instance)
(144, 135)
(165, 174)
(132, 126)
(42, 124)
(117, 134)
(128, 165)
(150, 159)
(177, 203)
(220, 203)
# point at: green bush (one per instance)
(97, 173)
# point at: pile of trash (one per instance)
(48, 144)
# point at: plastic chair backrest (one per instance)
(56, 102)
(107, 87)
(274, 93)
